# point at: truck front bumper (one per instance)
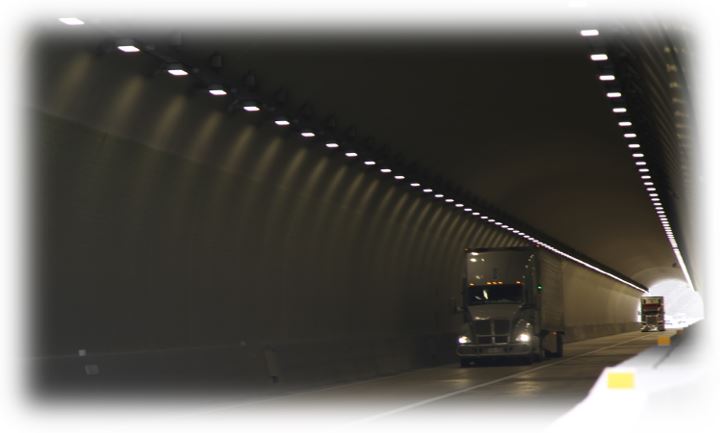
(476, 350)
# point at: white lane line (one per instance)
(470, 388)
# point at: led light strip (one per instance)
(645, 176)
(216, 89)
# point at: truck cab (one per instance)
(505, 292)
(652, 313)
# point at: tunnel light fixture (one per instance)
(625, 124)
(484, 217)
(491, 220)
(176, 70)
(332, 145)
(640, 163)
(619, 110)
(645, 176)
(459, 205)
(650, 188)
(637, 155)
(476, 213)
(653, 194)
(71, 21)
(449, 200)
(655, 199)
(216, 90)
(613, 94)
(281, 121)
(251, 106)
(598, 57)
(633, 146)
(369, 162)
(385, 170)
(467, 209)
(630, 135)
(498, 223)
(504, 226)
(307, 133)
(351, 154)
(128, 47)
(607, 77)
(427, 190)
(414, 184)
(439, 195)
(589, 33)
(648, 183)
(399, 177)
(643, 170)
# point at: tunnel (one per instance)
(349, 228)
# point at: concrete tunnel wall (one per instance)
(178, 244)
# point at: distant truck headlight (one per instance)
(463, 339)
(523, 337)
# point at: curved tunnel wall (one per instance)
(176, 241)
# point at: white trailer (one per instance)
(527, 302)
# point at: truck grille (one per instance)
(491, 331)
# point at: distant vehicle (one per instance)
(513, 305)
(652, 313)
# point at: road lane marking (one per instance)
(470, 388)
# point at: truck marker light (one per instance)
(663, 340)
(621, 380)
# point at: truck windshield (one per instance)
(495, 294)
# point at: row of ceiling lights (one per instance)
(179, 70)
(637, 155)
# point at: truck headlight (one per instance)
(463, 339)
(523, 337)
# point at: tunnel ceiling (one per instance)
(520, 121)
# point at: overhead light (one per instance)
(613, 94)
(449, 200)
(399, 177)
(426, 190)
(630, 135)
(646, 176)
(467, 209)
(625, 124)
(307, 133)
(332, 145)
(607, 77)
(459, 205)
(643, 170)
(504, 226)
(498, 223)
(598, 57)
(216, 90)
(414, 184)
(476, 213)
(491, 220)
(385, 170)
(439, 196)
(369, 162)
(350, 154)
(619, 110)
(648, 183)
(589, 33)
(128, 47)
(251, 106)
(71, 21)
(640, 163)
(653, 194)
(633, 146)
(176, 70)
(637, 155)
(650, 188)
(282, 121)
(655, 199)
(484, 217)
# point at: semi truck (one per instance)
(652, 313)
(523, 302)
